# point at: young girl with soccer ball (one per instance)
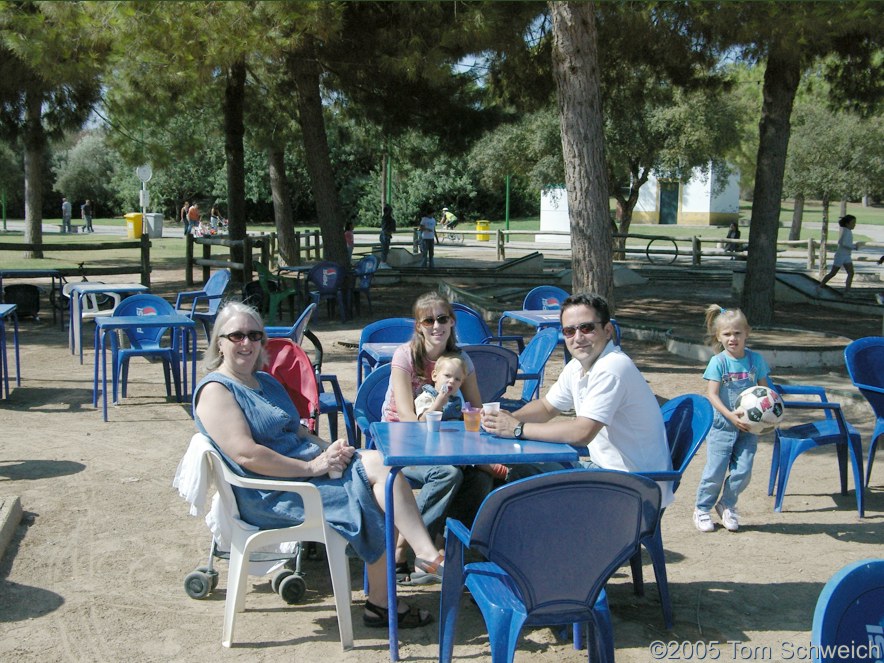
(730, 445)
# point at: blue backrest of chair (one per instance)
(216, 285)
(544, 298)
(687, 420)
(368, 407)
(144, 304)
(327, 277)
(365, 270)
(850, 612)
(865, 364)
(470, 326)
(540, 529)
(496, 369)
(301, 323)
(535, 355)
(388, 330)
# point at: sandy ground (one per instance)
(95, 571)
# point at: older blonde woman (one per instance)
(250, 418)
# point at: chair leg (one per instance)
(871, 460)
(237, 575)
(856, 462)
(774, 466)
(785, 467)
(638, 582)
(504, 628)
(339, 569)
(658, 559)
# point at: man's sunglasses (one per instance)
(584, 327)
(239, 337)
(441, 319)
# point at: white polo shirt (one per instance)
(614, 393)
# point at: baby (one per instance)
(444, 395)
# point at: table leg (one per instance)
(390, 536)
(79, 330)
(15, 343)
(95, 344)
(104, 374)
(4, 366)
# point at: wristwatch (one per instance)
(517, 431)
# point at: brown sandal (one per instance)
(426, 573)
(377, 617)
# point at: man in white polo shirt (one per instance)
(618, 417)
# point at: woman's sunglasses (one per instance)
(584, 327)
(441, 319)
(239, 337)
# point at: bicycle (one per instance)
(448, 233)
(59, 300)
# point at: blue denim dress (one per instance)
(349, 504)
(728, 448)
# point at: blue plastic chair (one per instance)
(326, 280)
(532, 363)
(296, 331)
(791, 442)
(211, 296)
(544, 298)
(496, 369)
(370, 401)
(297, 370)
(363, 275)
(688, 420)
(599, 519)
(471, 329)
(389, 330)
(274, 292)
(145, 342)
(865, 364)
(850, 613)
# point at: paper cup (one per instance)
(434, 420)
(488, 408)
(335, 474)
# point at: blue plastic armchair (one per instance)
(850, 614)
(687, 420)
(370, 401)
(791, 442)
(470, 328)
(865, 364)
(521, 583)
(145, 342)
(297, 330)
(544, 298)
(204, 303)
(326, 279)
(363, 275)
(496, 369)
(389, 330)
(532, 363)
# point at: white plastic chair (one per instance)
(245, 539)
(90, 306)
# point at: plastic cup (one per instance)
(471, 420)
(489, 408)
(335, 474)
(434, 421)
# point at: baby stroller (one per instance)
(288, 363)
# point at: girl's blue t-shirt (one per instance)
(725, 368)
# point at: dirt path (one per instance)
(95, 571)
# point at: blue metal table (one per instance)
(180, 325)
(75, 303)
(372, 355)
(403, 444)
(535, 318)
(7, 311)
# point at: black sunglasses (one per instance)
(441, 319)
(239, 337)
(584, 327)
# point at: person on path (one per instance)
(65, 215)
(844, 252)
(86, 215)
(388, 227)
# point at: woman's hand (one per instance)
(335, 458)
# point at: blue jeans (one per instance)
(726, 449)
(438, 486)
(428, 248)
(385, 246)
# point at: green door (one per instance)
(668, 202)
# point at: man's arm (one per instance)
(537, 424)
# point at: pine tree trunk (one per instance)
(824, 236)
(576, 73)
(797, 217)
(34, 144)
(781, 77)
(328, 206)
(234, 152)
(282, 205)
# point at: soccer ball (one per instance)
(763, 408)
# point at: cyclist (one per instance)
(448, 220)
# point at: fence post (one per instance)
(298, 248)
(501, 251)
(696, 250)
(247, 260)
(811, 257)
(188, 252)
(207, 254)
(316, 242)
(145, 260)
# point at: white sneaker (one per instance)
(703, 521)
(729, 517)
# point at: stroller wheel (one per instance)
(213, 576)
(197, 584)
(277, 579)
(292, 589)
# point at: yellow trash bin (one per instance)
(486, 226)
(133, 225)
